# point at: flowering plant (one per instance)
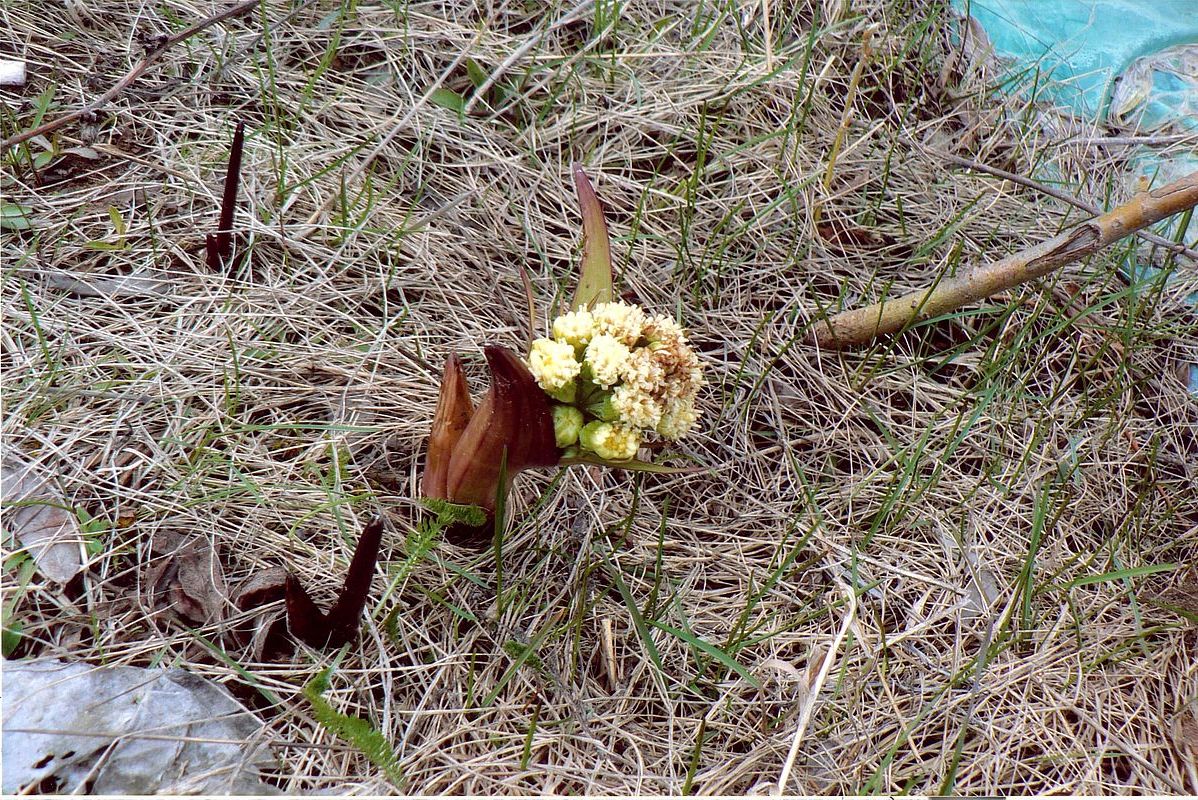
(615, 372)
(608, 375)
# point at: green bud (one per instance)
(609, 441)
(567, 422)
(566, 394)
(600, 406)
(593, 434)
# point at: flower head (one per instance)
(619, 320)
(678, 418)
(605, 356)
(610, 440)
(553, 364)
(574, 328)
(616, 365)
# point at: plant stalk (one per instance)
(862, 325)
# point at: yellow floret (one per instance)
(606, 357)
(575, 328)
(679, 417)
(635, 407)
(610, 440)
(552, 364)
(619, 320)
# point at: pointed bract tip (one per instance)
(454, 409)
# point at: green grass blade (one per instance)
(707, 648)
(1120, 574)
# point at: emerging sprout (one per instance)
(612, 372)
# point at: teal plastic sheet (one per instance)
(1130, 66)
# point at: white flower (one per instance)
(553, 364)
(575, 328)
(679, 417)
(619, 320)
(635, 407)
(606, 357)
(610, 440)
(660, 328)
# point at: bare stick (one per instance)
(132, 75)
(1064, 197)
(850, 328)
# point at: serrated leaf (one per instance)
(353, 729)
(595, 274)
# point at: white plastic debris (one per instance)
(74, 727)
(12, 73)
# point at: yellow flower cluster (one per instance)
(625, 371)
(552, 364)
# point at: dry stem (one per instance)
(862, 325)
(130, 76)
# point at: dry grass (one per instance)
(965, 478)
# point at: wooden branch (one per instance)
(1065, 197)
(132, 75)
(856, 327)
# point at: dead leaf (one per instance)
(260, 588)
(39, 518)
(843, 238)
(264, 630)
(188, 579)
(136, 284)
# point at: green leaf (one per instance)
(710, 649)
(1120, 574)
(448, 98)
(594, 277)
(632, 464)
(15, 216)
(10, 637)
(352, 729)
(475, 72)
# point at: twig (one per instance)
(861, 325)
(1064, 197)
(132, 75)
(816, 687)
(1113, 141)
